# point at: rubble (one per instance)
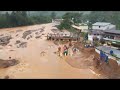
(22, 44)
(6, 77)
(8, 63)
(26, 33)
(18, 41)
(38, 37)
(5, 40)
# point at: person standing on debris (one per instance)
(106, 59)
(65, 52)
(101, 55)
(59, 50)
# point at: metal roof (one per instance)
(113, 31)
(101, 23)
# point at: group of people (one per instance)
(65, 50)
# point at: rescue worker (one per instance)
(106, 59)
(59, 50)
(65, 52)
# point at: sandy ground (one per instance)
(32, 63)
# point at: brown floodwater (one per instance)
(32, 63)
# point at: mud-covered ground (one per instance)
(37, 56)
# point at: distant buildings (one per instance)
(82, 26)
(112, 36)
(103, 26)
(99, 28)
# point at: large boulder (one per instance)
(26, 33)
(8, 63)
(5, 40)
(23, 44)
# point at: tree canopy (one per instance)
(21, 18)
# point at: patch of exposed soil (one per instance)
(88, 58)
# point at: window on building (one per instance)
(99, 26)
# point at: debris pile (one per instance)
(38, 37)
(26, 33)
(18, 41)
(22, 45)
(5, 40)
(6, 77)
(8, 63)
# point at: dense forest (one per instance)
(23, 18)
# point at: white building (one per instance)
(82, 27)
(103, 26)
(98, 28)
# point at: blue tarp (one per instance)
(108, 49)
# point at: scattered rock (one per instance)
(10, 45)
(37, 37)
(36, 33)
(28, 38)
(18, 41)
(23, 44)
(17, 35)
(26, 33)
(6, 77)
(5, 40)
(8, 63)
(1, 35)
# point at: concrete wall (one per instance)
(90, 37)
